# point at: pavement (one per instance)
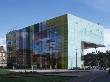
(72, 73)
(93, 76)
(47, 70)
(105, 78)
(81, 75)
(40, 70)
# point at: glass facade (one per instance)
(42, 44)
(48, 44)
(46, 47)
(80, 33)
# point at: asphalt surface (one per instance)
(93, 76)
(105, 78)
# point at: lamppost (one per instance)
(51, 54)
(109, 59)
(97, 57)
(76, 60)
(108, 56)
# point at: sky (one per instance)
(15, 14)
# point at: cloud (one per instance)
(102, 5)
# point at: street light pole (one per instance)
(76, 59)
(97, 57)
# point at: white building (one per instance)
(3, 57)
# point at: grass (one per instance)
(35, 79)
(4, 71)
(6, 76)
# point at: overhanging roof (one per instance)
(92, 45)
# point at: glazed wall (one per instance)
(52, 43)
(81, 30)
(43, 44)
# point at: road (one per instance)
(105, 78)
(93, 76)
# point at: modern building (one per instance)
(55, 43)
(3, 57)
